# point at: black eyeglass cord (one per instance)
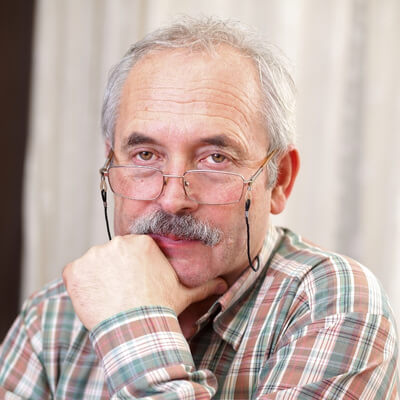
(246, 214)
(104, 197)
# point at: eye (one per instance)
(145, 155)
(218, 158)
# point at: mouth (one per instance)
(177, 247)
(171, 240)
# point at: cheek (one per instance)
(230, 257)
(230, 219)
(232, 222)
(118, 217)
(125, 211)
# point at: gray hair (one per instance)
(205, 34)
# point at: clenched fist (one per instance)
(127, 272)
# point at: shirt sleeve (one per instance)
(22, 375)
(145, 355)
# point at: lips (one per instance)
(173, 246)
(170, 238)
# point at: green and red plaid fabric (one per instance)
(309, 325)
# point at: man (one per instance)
(198, 295)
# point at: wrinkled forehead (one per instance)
(185, 85)
(224, 69)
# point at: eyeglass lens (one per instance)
(203, 187)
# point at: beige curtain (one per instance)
(346, 56)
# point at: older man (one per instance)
(198, 295)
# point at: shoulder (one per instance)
(49, 308)
(54, 291)
(329, 282)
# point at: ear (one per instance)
(288, 168)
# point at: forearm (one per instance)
(144, 354)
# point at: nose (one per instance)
(173, 199)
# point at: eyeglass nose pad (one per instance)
(186, 186)
(185, 183)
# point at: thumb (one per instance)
(216, 286)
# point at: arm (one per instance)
(144, 354)
(22, 374)
(128, 295)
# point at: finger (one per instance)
(216, 286)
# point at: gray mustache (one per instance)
(183, 226)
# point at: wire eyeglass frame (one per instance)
(249, 182)
(104, 172)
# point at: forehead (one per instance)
(224, 64)
(183, 91)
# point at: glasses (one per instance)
(201, 186)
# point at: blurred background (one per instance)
(54, 63)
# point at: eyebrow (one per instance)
(222, 141)
(136, 138)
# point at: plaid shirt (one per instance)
(309, 325)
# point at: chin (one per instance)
(190, 274)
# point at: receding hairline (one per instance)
(206, 33)
(217, 55)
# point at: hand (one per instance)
(128, 272)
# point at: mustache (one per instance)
(183, 226)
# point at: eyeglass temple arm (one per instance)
(258, 172)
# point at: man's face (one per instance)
(181, 111)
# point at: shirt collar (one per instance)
(232, 309)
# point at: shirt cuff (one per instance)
(133, 344)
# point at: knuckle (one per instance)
(144, 241)
(92, 252)
(67, 273)
(116, 240)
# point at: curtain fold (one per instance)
(346, 56)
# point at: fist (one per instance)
(128, 272)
